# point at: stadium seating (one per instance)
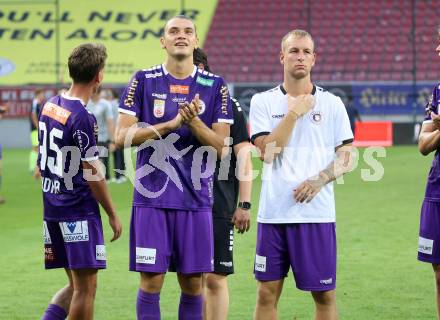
(355, 40)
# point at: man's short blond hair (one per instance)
(297, 33)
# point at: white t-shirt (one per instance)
(311, 149)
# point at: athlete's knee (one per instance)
(87, 289)
(266, 295)
(191, 283)
(86, 285)
(68, 289)
(215, 282)
(324, 298)
(151, 282)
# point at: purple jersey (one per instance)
(66, 135)
(167, 169)
(433, 185)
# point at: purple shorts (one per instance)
(1, 153)
(74, 244)
(429, 234)
(309, 248)
(159, 236)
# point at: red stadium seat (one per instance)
(355, 40)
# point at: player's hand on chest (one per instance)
(162, 107)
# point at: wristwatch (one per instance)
(244, 205)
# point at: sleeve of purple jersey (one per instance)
(131, 99)
(223, 107)
(432, 105)
(83, 133)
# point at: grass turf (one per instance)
(377, 227)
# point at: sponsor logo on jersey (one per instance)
(316, 117)
(326, 281)
(100, 252)
(128, 101)
(82, 138)
(145, 255)
(425, 245)
(153, 75)
(226, 263)
(179, 100)
(75, 231)
(225, 96)
(278, 116)
(6, 66)
(162, 96)
(56, 112)
(202, 106)
(95, 131)
(46, 234)
(159, 108)
(260, 263)
(175, 88)
(205, 82)
(49, 256)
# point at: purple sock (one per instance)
(147, 306)
(54, 312)
(190, 307)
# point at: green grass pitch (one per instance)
(377, 227)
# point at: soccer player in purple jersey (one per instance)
(73, 184)
(304, 136)
(429, 234)
(188, 114)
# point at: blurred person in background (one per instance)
(37, 104)
(102, 110)
(118, 154)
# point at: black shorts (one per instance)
(223, 245)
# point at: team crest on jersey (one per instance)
(159, 108)
(316, 117)
(202, 106)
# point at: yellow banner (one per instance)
(130, 30)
